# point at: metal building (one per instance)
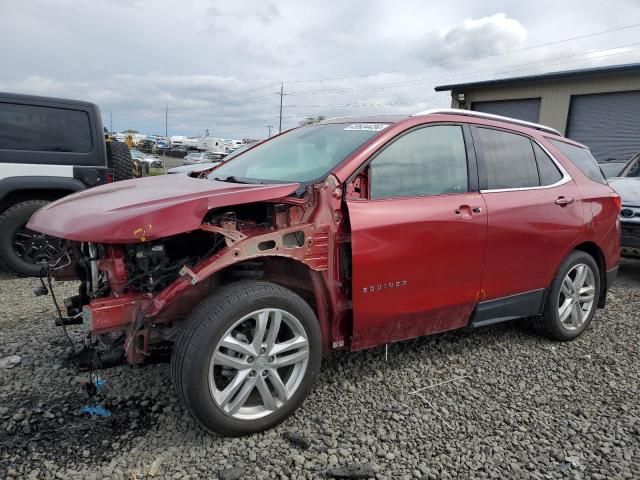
(599, 107)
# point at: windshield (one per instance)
(632, 169)
(301, 155)
(611, 169)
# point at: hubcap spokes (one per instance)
(577, 295)
(258, 364)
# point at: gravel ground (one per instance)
(521, 407)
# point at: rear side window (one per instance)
(44, 129)
(581, 158)
(549, 172)
(427, 161)
(508, 159)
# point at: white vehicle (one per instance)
(191, 142)
(177, 140)
(153, 161)
(210, 144)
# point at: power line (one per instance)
(385, 85)
(249, 91)
(478, 57)
(410, 101)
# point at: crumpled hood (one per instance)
(628, 188)
(145, 209)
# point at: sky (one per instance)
(219, 65)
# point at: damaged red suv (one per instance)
(344, 235)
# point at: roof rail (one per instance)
(488, 116)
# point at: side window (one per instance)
(428, 161)
(581, 158)
(44, 129)
(549, 172)
(509, 160)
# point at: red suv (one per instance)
(344, 235)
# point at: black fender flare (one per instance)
(14, 184)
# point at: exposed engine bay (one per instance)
(133, 296)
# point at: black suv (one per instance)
(49, 148)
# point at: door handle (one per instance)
(562, 201)
(466, 211)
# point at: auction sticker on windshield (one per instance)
(368, 127)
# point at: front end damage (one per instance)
(132, 297)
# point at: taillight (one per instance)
(109, 176)
(617, 201)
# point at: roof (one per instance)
(391, 119)
(487, 116)
(5, 96)
(629, 67)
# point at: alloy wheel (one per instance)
(577, 295)
(258, 364)
(34, 247)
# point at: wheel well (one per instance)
(286, 272)
(18, 196)
(593, 250)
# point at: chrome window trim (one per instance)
(566, 178)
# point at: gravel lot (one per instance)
(522, 407)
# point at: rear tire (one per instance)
(120, 161)
(219, 348)
(572, 298)
(13, 221)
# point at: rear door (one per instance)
(535, 213)
(418, 238)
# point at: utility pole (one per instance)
(281, 95)
(166, 134)
(110, 122)
(166, 117)
(269, 127)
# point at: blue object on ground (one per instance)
(96, 410)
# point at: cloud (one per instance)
(218, 64)
(473, 38)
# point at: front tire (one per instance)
(247, 357)
(572, 298)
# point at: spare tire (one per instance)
(120, 161)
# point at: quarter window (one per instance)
(45, 129)
(549, 173)
(581, 158)
(508, 159)
(428, 161)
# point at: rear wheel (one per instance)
(23, 251)
(120, 161)
(572, 299)
(247, 358)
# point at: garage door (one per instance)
(607, 123)
(527, 109)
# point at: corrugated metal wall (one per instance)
(608, 123)
(527, 109)
(555, 95)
